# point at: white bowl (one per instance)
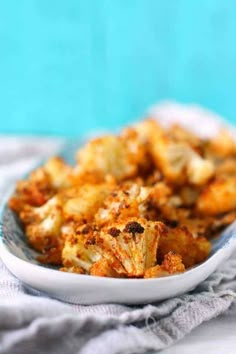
(20, 259)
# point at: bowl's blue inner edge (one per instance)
(13, 236)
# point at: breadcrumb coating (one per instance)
(127, 200)
(218, 197)
(172, 264)
(181, 241)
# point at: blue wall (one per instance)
(67, 67)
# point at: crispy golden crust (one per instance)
(172, 264)
(181, 241)
(131, 201)
(102, 268)
(176, 158)
(43, 224)
(127, 200)
(52, 255)
(83, 202)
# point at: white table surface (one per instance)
(217, 336)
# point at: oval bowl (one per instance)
(21, 260)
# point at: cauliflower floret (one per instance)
(80, 249)
(59, 172)
(83, 202)
(176, 159)
(199, 170)
(181, 135)
(166, 156)
(172, 264)
(125, 201)
(122, 249)
(105, 216)
(140, 150)
(181, 241)
(223, 145)
(101, 268)
(35, 191)
(43, 224)
(172, 160)
(197, 226)
(109, 155)
(41, 184)
(218, 197)
(179, 163)
(130, 246)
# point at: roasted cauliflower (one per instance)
(127, 200)
(109, 155)
(176, 159)
(141, 204)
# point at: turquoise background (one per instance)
(67, 67)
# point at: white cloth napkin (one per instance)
(33, 323)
